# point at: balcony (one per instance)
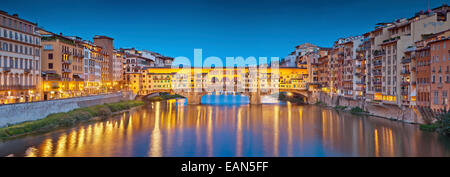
(404, 83)
(65, 70)
(378, 53)
(407, 60)
(359, 74)
(67, 62)
(360, 58)
(405, 72)
(27, 70)
(67, 52)
(6, 69)
(17, 87)
(377, 83)
(405, 93)
(377, 64)
(377, 74)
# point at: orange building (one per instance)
(440, 81)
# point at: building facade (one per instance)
(20, 61)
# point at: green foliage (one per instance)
(357, 110)
(319, 103)
(444, 124)
(67, 119)
(164, 96)
(441, 126)
(340, 108)
(428, 127)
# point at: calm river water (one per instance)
(224, 128)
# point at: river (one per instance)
(225, 126)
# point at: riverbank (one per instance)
(442, 125)
(162, 97)
(66, 119)
(382, 110)
(13, 114)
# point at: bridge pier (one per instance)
(255, 97)
(194, 98)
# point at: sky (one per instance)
(259, 28)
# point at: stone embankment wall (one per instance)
(22, 112)
(404, 114)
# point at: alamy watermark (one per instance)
(237, 75)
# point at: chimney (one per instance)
(15, 15)
(60, 34)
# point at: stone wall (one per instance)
(22, 112)
(404, 114)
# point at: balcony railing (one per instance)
(377, 64)
(67, 62)
(405, 72)
(67, 52)
(17, 87)
(377, 83)
(378, 53)
(407, 60)
(65, 70)
(405, 83)
(6, 69)
(377, 74)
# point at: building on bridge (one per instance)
(196, 82)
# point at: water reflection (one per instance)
(173, 128)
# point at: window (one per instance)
(435, 97)
(50, 66)
(11, 62)
(433, 79)
(444, 97)
(50, 56)
(48, 47)
(16, 63)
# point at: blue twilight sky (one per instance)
(221, 28)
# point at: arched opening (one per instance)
(214, 80)
(293, 97)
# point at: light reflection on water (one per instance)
(173, 128)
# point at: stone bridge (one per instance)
(234, 81)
